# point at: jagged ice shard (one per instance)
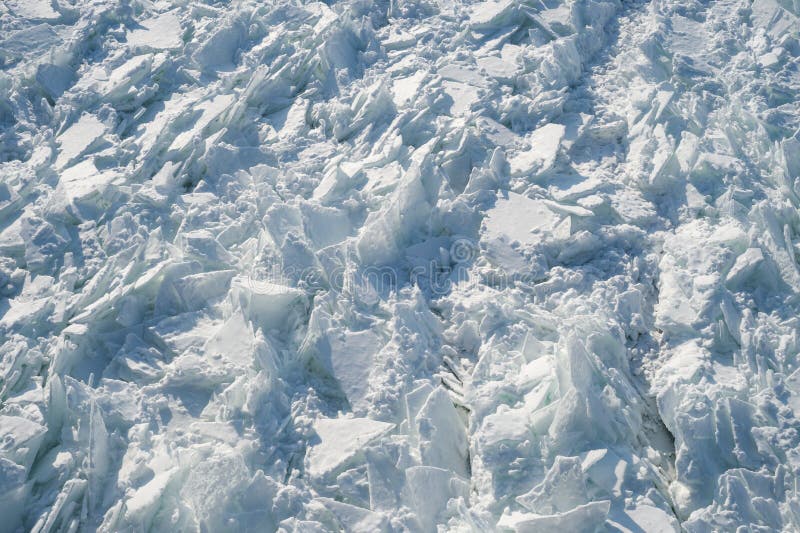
(402, 265)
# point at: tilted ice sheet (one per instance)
(399, 266)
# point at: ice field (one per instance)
(400, 265)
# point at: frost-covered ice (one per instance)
(399, 266)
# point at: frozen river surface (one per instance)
(407, 265)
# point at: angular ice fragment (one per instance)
(510, 425)
(211, 109)
(491, 13)
(515, 217)
(497, 67)
(268, 305)
(33, 9)
(341, 440)
(352, 518)
(744, 267)
(461, 74)
(350, 357)
(652, 519)
(463, 95)
(128, 74)
(605, 469)
(563, 488)
(565, 209)
(442, 434)
(20, 439)
(633, 207)
(201, 245)
(579, 247)
(142, 505)
(13, 493)
(234, 341)
(427, 491)
(81, 181)
(385, 482)
(77, 138)
(405, 89)
(54, 79)
(545, 143)
(160, 33)
(586, 518)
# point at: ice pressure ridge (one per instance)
(399, 266)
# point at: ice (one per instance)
(518, 218)
(399, 266)
(352, 518)
(341, 439)
(33, 9)
(588, 517)
(442, 439)
(210, 111)
(427, 491)
(159, 33)
(77, 138)
(351, 357)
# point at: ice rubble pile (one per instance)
(408, 265)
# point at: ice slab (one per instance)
(342, 439)
(77, 138)
(163, 32)
(589, 517)
(351, 359)
(517, 218)
(544, 146)
(33, 9)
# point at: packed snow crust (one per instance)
(407, 265)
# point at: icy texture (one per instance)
(398, 266)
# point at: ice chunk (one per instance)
(563, 488)
(350, 359)
(20, 439)
(652, 519)
(605, 469)
(463, 95)
(633, 207)
(159, 33)
(588, 518)
(545, 143)
(33, 9)
(326, 226)
(385, 482)
(268, 305)
(505, 425)
(405, 89)
(219, 50)
(141, 506)
(461, 74)
(442, 434)
(498, 67)
(28, 42)
(234, 340)
(517, 218)
(77, 138)
(211, 109)
(428, 489)
(127, 75)
(13, 492)
(352, 518)
(81, 181)
(342, 439)
(491, 13)
(744, 267)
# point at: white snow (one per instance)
(341, 439)
(431, 265)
